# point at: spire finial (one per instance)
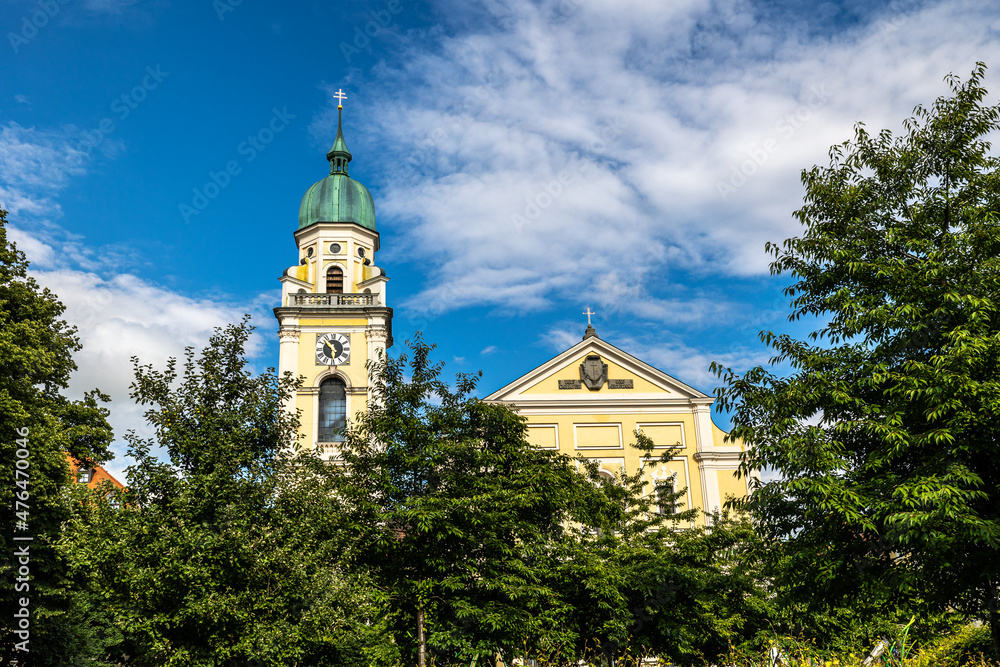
(340, 98)
(591, 332)
(339, 156)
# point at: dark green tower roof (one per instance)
(338, 197)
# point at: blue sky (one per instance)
(528, 158)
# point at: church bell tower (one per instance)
(333, 315)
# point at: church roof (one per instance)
(338, 197)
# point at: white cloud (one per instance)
(41, 255)
(34, 164)
(118, 315)
(124, 316)
(489, 349)
(580, 146)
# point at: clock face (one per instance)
(332, 349)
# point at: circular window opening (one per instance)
(361, 252)
(335, 248)
(310, 251)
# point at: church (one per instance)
(587, 401)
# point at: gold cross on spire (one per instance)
(588, 313)
(340, 98)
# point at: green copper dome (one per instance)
(338, 197)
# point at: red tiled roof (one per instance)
(99, 475)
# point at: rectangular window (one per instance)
(665, 491)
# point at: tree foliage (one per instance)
(36, 357)
(452, 509)
(228, 552)
(489, 545)
(885, 429)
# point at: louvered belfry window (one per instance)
(335, 280)
(332, 410)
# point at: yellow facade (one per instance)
(357, 313)
(598, 421)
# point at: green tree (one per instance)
(884, 427)
(38, 425)
(484, 544)
(227, 553)
(654, 584)
(453, 510)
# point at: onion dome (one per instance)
(338, 197)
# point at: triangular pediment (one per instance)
(560, 379)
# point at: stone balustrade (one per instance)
(307, 300)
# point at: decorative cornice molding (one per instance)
(608, 403)
(724, 458)
(289, 334)
(377, 333)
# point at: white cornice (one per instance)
(295, 281)
(316, 230)
(374, 279)
(606, 405)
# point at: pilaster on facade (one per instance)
(703, 425)
(377, 336)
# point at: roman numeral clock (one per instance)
(333, 349)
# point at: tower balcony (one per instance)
(307, 300)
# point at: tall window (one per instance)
(332, 410)
(665, 497)
(335, 280)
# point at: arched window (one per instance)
(332, 410)
(335, 280)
